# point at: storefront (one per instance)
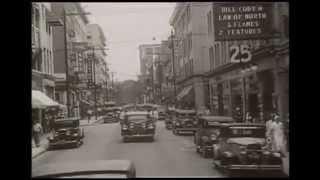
(252, 91)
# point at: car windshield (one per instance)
(96, 176)
(247, 132)
(65, 124)
(137, 118)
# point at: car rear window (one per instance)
(247, 131)
(137, 117)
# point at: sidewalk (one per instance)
(36, 151)
(84, 122)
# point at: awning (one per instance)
(184, 92)
(41, 100)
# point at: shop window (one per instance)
(209, 22)
(211, 58)
(217, 54)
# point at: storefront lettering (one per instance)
(242, 21)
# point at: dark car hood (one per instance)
(246, 140)
(107, 166)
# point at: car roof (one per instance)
(108, 166)
(217, 118)
(244, 124)
(132, 113)
(68, 119)
(185, 111)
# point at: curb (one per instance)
(43, 150)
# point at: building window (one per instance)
(211, 58)
(209, 22)
(223, 53)
(217, 54)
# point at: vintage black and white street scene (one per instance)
(159, 89)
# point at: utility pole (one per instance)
(94, 83)
(106, 82)
(66, 62)
(174, 72)
(112, 85)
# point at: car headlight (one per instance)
(124, 128)
(243, 152)
(75, 134)
(266, 153)
(242, 148)
(276, 154)
(213, 137)
(205, 138)
(228, 154)
(150, 126)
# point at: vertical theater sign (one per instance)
(242, 21)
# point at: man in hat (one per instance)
(237, 115)
(37, 129)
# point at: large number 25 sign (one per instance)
(240, 53)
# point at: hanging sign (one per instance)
(242, 20)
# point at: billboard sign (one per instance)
(242, 20)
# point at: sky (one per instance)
(126, 26)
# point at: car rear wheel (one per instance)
(205, 153)
(198, 149)
(151, 139)
(124, 139)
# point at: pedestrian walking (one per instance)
(89, 113)
(37, 130)
(268, 131)
(277, 135)
(237, 115)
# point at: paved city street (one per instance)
(168, 155)
(220, 69)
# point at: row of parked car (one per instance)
(234, 147)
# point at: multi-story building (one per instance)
(189, 24)
(149, 54)
(42, 56)
(76, 49)
(165, 73)
(42, 50)
(260, 89)
(96, 39)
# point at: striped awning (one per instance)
(41, 100)
(184, 92)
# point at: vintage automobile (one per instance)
(161, 113)
(242, 147)
(169, 118)
(66, 132)
(92, 169)
(184, 121)
(151, 108)
(111, 115)
(207, 132)
(138, 124)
